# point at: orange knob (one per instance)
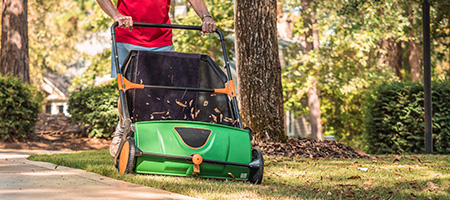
(197, 159)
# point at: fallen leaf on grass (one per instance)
(431, 185)
(354, 177)
(415, 185)
(283, 183)
(399, 179)
(346, 185)
(350, 194)
(356, 165)
(418, 159)
(368, 182)
(364, 169)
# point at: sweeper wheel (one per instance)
(256, 175)
(126, 157)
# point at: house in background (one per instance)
(56, 94)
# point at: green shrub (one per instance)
(95, 109)
(394, 118)
(19, 108)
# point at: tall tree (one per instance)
(14, 39)
(414, 49)
(261, 94)
(312, 43)
(390, 54)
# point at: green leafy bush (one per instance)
(19, 108)
(95, 109)
(394, 118)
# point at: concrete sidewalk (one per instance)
(24, 179)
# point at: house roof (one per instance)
(60, 81)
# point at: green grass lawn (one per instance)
(380, 177)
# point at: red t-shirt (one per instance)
(149, 11)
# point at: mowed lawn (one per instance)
(380, 177)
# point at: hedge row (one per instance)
(19, 108)
(95, 108)
(394, 118)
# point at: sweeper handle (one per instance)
(172, 26)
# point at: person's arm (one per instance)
(111, 10)
(208, 24)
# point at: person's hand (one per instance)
(208, 25)
(124, 21)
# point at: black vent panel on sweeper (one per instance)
(178, 70)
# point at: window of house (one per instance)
(48, 109)
(61, 109)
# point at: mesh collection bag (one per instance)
(177, 70)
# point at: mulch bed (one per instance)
(57, 132)
(306, 148)
(48, 123)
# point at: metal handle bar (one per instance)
(171, 26)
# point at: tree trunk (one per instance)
(312, 34)
(314, 112)
(172, 11)
(414, 51)
(261, 93)
(391, 55)
(14, 39)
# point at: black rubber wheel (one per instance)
(125, 162)
(256, 175)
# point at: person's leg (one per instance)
(123, 50)
(118, 133)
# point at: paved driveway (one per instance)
(24, 179)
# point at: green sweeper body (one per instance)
(184, 138)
